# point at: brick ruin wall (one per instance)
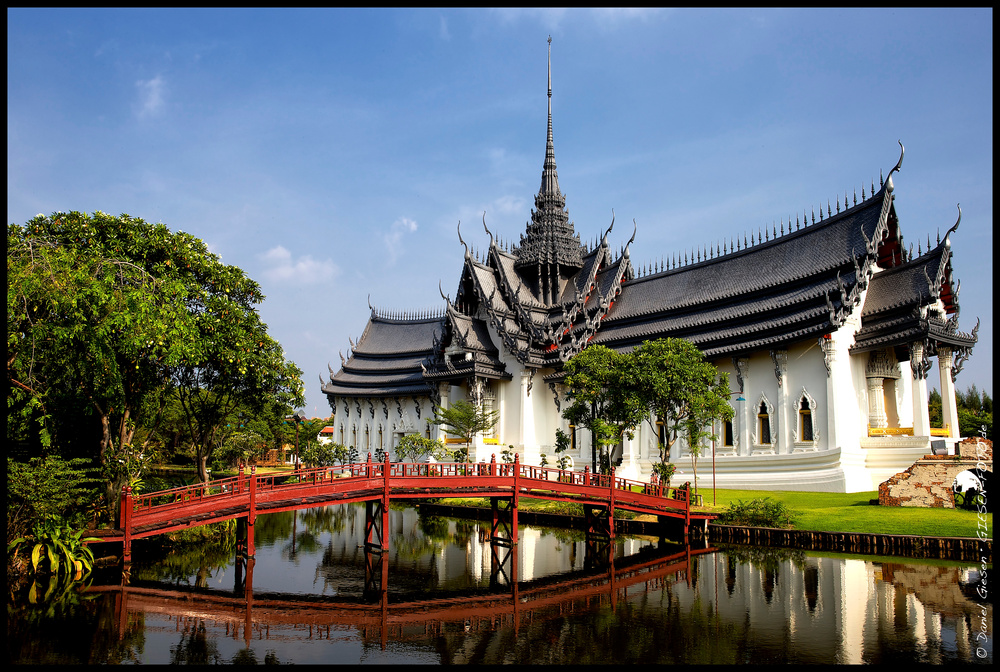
(928, 482)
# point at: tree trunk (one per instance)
(201, 462)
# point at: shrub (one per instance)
(759, 512)
(55, 547)
(47, 487)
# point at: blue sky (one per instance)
(332, 153)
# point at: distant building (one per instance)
(326, 435)
(828, 329)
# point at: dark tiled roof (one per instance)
(796, 286)
(466, 350)
(908, 286)
(387, 359)
(901, 306)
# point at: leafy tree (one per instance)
(107, 315)
(91, 319)
(415, 447)
(686, 393)
(211, 395)
(316, 454)
(562, 445)
(465, 419)
(603, 397)
(975, 411)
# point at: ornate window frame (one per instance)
(800, 417)
(757, 446)
(728, 448)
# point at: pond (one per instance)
(442, 593)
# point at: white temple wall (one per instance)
(370, 423)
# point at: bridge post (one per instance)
(125, 520)
(685, 493)
(515, 497)
(377, 512)
(611, 506)
(385, 504)
(252, 513)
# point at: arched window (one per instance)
(805, 420)
(763, 424)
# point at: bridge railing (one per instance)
(585, 478)
(239, 486)
(185, 494)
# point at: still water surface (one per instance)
(443, 594)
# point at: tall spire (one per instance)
(550, 250)
(550, 178)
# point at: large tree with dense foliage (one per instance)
(666, 380)
(603, 398)
(112, 316)
(683, 391)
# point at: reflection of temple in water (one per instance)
(802, 598)
(441, 583)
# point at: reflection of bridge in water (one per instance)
(377, 483)
(506, 604)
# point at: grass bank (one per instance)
(815, 511)
(852, 512)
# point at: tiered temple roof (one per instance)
(916, 302)
(387, 359)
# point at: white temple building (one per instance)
(828, 331)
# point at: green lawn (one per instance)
(819, 511)
(835, 512)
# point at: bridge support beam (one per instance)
(245, 526)
(376, 574)
(125, 522)
(376, 526)
(245, 547)
(504, 529)
(599, 521)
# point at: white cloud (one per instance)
(281, 267)
(394, 238)
(151, 96)
(510, 205)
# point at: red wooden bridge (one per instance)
(377, 483)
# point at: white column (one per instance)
(876, 404)
(921, 417)
(743, 371)
(949, 405)
(444, 390)
(783, 437)
(833, 408)
(527, 435)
